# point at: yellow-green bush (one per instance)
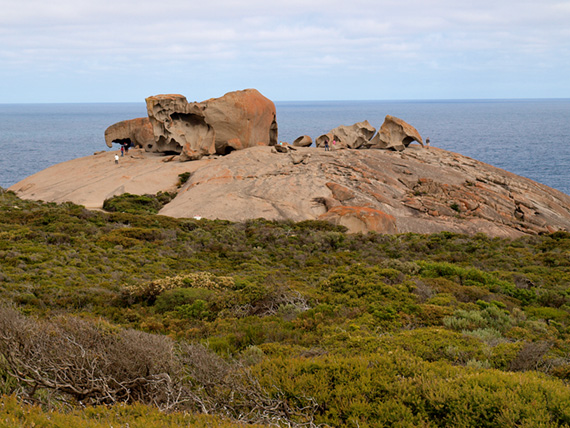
(15, 414)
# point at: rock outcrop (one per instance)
(236, 121)
(416, 190)
(133, 132)
(385, 191)
(395, 134)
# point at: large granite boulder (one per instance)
(238, 120)
(133, 132)
(395, 134)
(352, 137)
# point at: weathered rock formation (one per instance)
(235, 121)
(134, 132)
(179, 127)
(415, 190)
(352, 137)
(395, 134)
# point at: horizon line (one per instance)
(320, 101)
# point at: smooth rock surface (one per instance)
(416, 190)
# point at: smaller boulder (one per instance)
(303, 141)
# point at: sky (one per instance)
(127, 50)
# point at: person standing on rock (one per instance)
(116, 158)
(122, 151)
(427, 143)
(326, 145)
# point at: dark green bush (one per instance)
(137, 204)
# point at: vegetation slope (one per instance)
(133, 319)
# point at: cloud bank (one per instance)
(124, 50)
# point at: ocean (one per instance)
(527, 137)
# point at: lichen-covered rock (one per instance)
(136, 132)
(236, 121)
(395, 134)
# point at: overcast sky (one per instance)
(126, 50)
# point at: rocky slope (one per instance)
(416, 190)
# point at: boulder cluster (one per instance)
(394, 134)
(235, 121)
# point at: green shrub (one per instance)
(137, 204)
(171, 300)
(183, 178)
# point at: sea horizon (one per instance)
(414, 100)
(525, 136)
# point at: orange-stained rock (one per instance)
(340, 192)
(137, 132)
(361, 219)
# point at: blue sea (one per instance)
(527, 137)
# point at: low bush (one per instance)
(137, 204)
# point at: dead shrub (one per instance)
(82, 363)
(530, 356)
(89, 363)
